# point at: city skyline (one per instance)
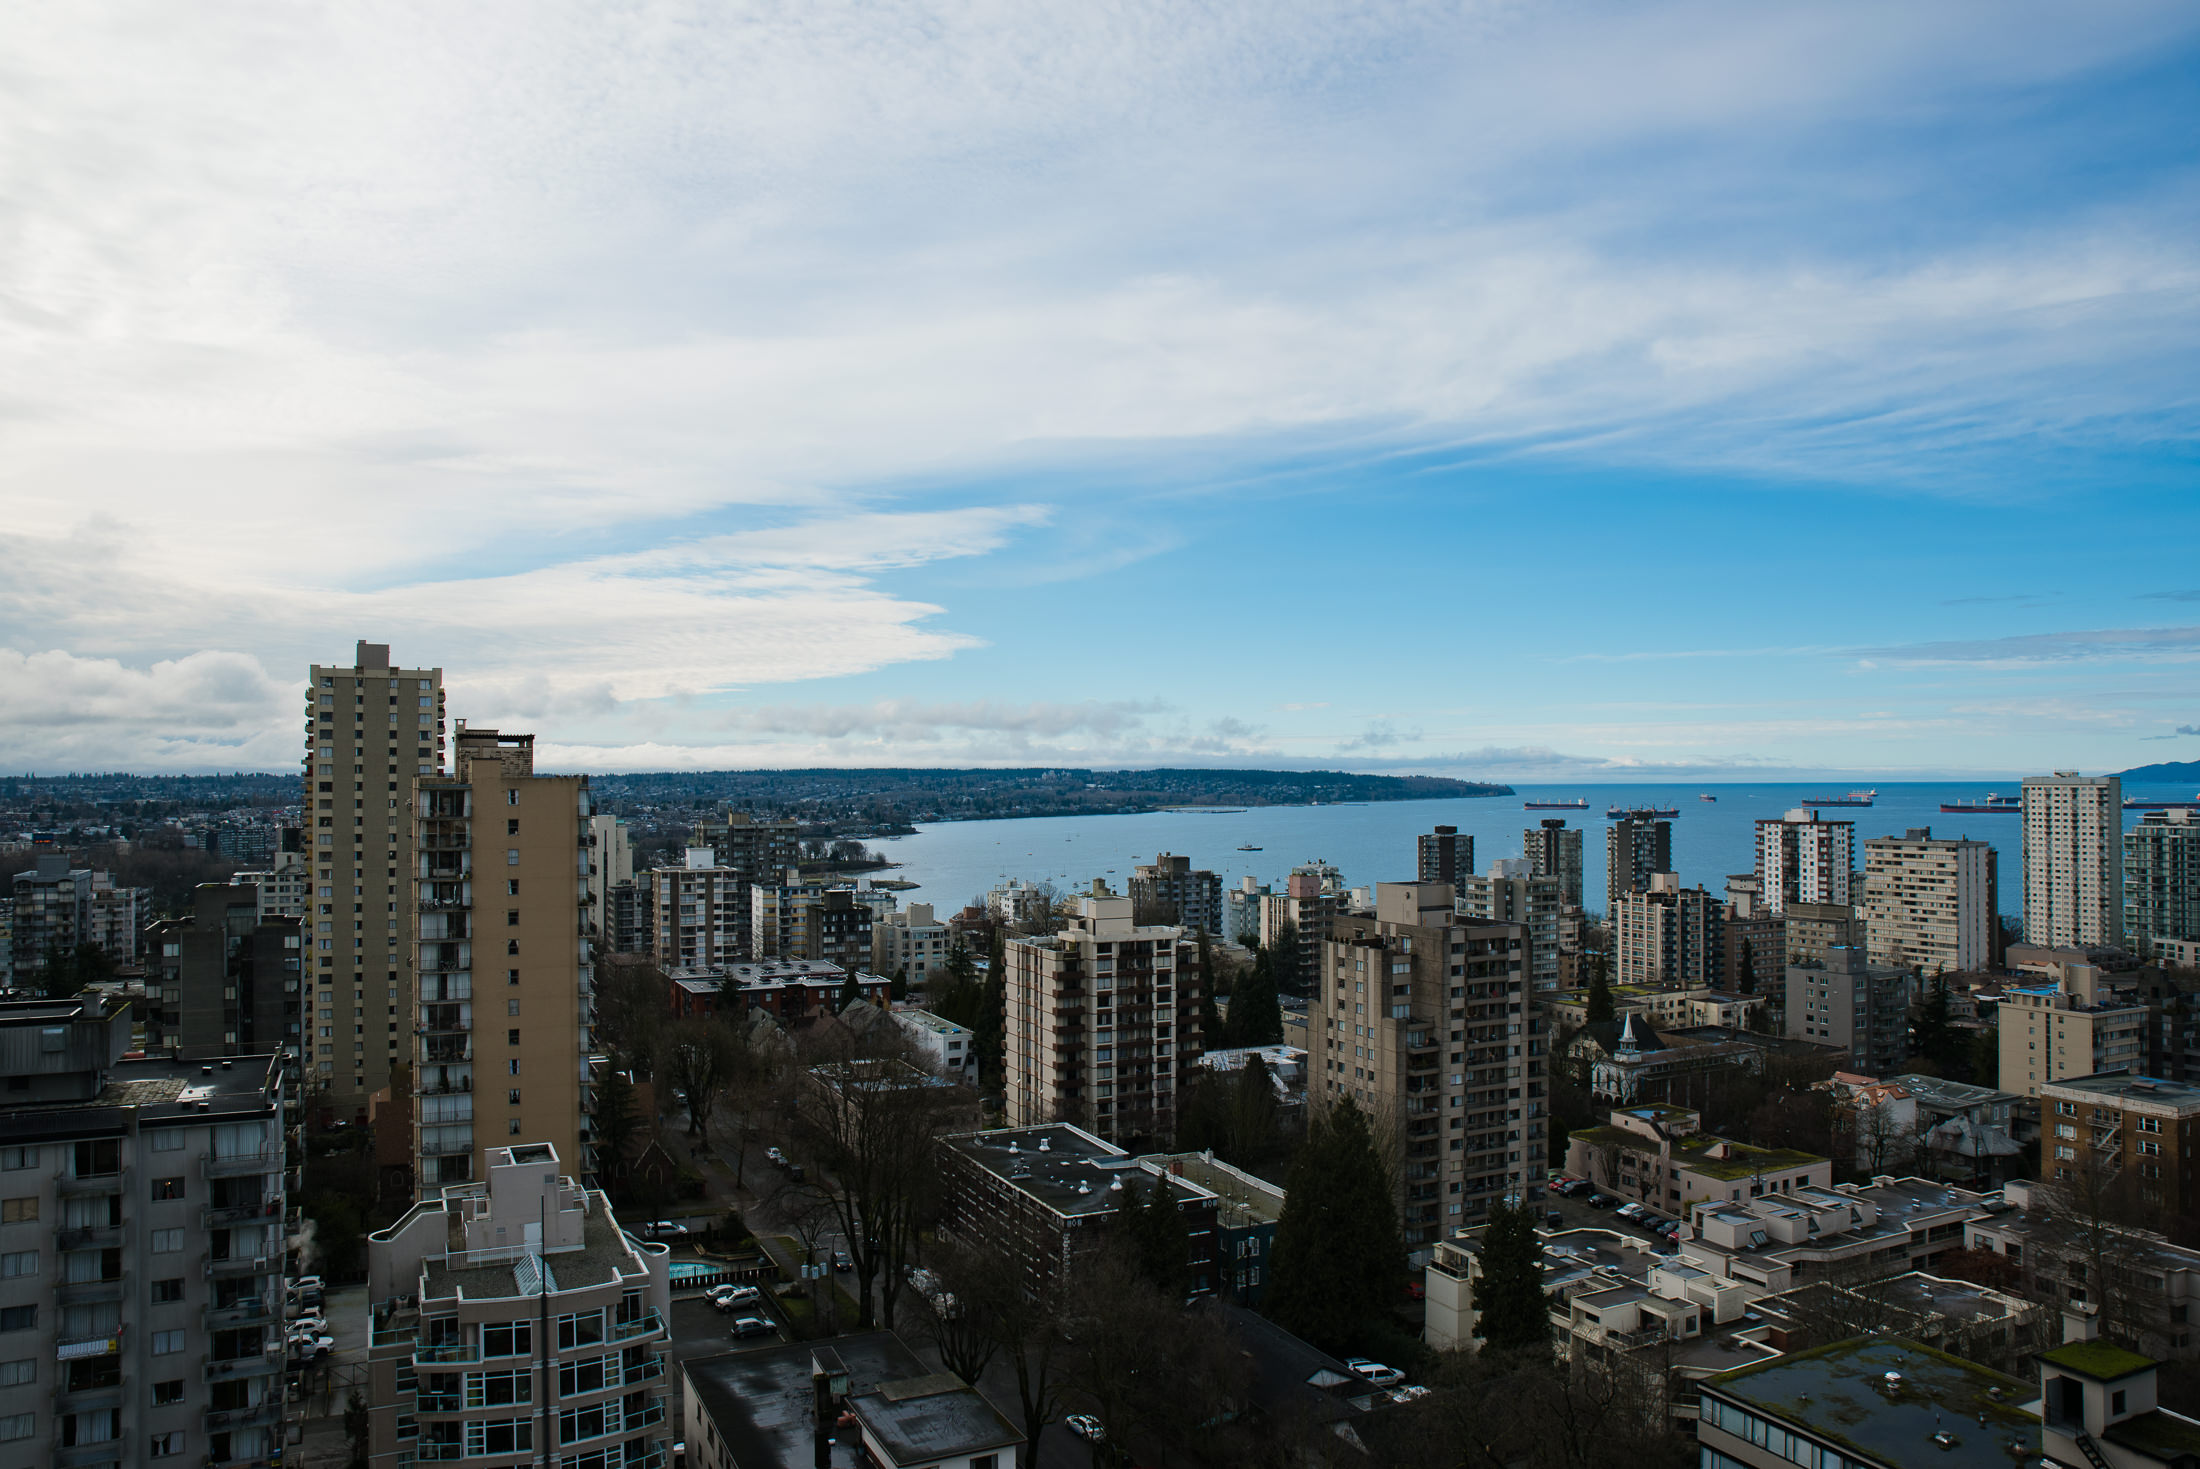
(1779, 393)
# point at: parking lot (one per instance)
(1576, 1214)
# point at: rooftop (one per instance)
(1843, 1393)
(763, 1405)
(1940, 1091)
(926, 1020)
(605, 1254)
(2100, 1360)
(2122, 1086)
(1063, 1167)
(924, 1419)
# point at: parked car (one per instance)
(748, 1326)
(735, 1297)
(312, 1346)
(1375, 1372)
(774, 1157)
(1629, 1211)
(1601, 1201)
(1085, 1426)
(664, 1229)
(1411, 1394)
(843, 1261)
(1553, 1218)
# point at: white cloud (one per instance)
(211, 710)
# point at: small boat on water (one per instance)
(1707, 798)
(1249, 847)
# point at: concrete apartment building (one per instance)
(2074, 860)
(1635, 846)
(1755, 937)
(1443, 855)
(371, 730)
(1665, 936)
(1021, 905)
(911, 943)
(1659, 1156)
(506, 962)
(2076, 1026)
(1801, 859)
(1170, 890)
(1849, 1004)
(2145, 1129)
(613, 845)
(1313, 896)
(1812, 931)
(1101, 1029)
(1427, 1021)
(2162, 885)
(141, 1221)
(1510, 892)
(1241, 911)
(285, 885)
(512, 1320)
(1553, 849)
(1048, 1195)
(59, 908)
(227, 981)
(696, 912)
(947, 1049)
(758, 851)
(1930, 905)
(2156, 1291)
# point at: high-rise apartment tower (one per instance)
(371, 730)
(2073, 860)
(1929, 904)
(2162, 880)
(1445, 856)
(507, 979)
(1635, 846)
(1801, 859)
(1553, 849)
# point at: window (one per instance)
(515, 1067)
(99, 1159)
(503, 1436)
(167, 1444)
(167, 1188)
(167, 1241)
(512, 1096)
(511, 1128)
(511, 798)
(581, 1329)
(18, 1262)
(511, 1007)
(511, 856)
(575, 1378)
(17, 1373)
(15, 1158)
(511, 827)
(19, 1211)
(18, 1425)
(494, 1389)
(166, 1394)
(511, 918)
(507, 1339)
(167, 1291)
(18, 1318)
(167, 1343)
(511, 887)
(167, 1140)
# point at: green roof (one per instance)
(2102, 1361)
(2157, 1434)
(1839, 1393)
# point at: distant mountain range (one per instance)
(2169, 772)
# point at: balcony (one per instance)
(211, 1217)
(238, 1313)
(238, 1265)
(264, 1414)
(646, 1325)
(88, 1237)
(69, 1185)
(84, 1292)
(257, 1364)
(232, 1165)
(89, 1346)
(427, 1355)
(86, 1453)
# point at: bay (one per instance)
(956, 862)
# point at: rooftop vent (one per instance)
(206, 1071)
(1114, 1184)
(1893, 1380)
(1012, 1146)
(1046, 1145)
(1083, 1186)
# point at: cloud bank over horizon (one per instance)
(1420, 386)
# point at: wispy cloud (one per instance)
(2178, 643)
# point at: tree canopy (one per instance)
(1512, 1314)
(1338, 1263)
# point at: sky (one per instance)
(1531, 392)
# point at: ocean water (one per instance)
(956, 862)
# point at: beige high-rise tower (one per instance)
(371, 730)
(2073, 860)
(506, 961)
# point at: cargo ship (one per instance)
(1994, 804)
(1853, 798)
(1615, 813)
(1707, 798)
(1582, 804)
(2143, 803)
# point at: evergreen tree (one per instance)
(850, 992)
(991, 1022)
(614, 1124)
(1337, 1264)
(1210, 1016)
(1600, 996)
(1745, 980)
(1935, 1035)
(1256, 1019)
(1283, 962)
(1512, 1313)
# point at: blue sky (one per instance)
(1566, 392)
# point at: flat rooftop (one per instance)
(926, 1020)
(764, 1408)
(1940, 1091)
(155, 1091)
(605, 1254)
(2123, 1087)
(1063, 1167)
(924, 1419)
(1840, 1393)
